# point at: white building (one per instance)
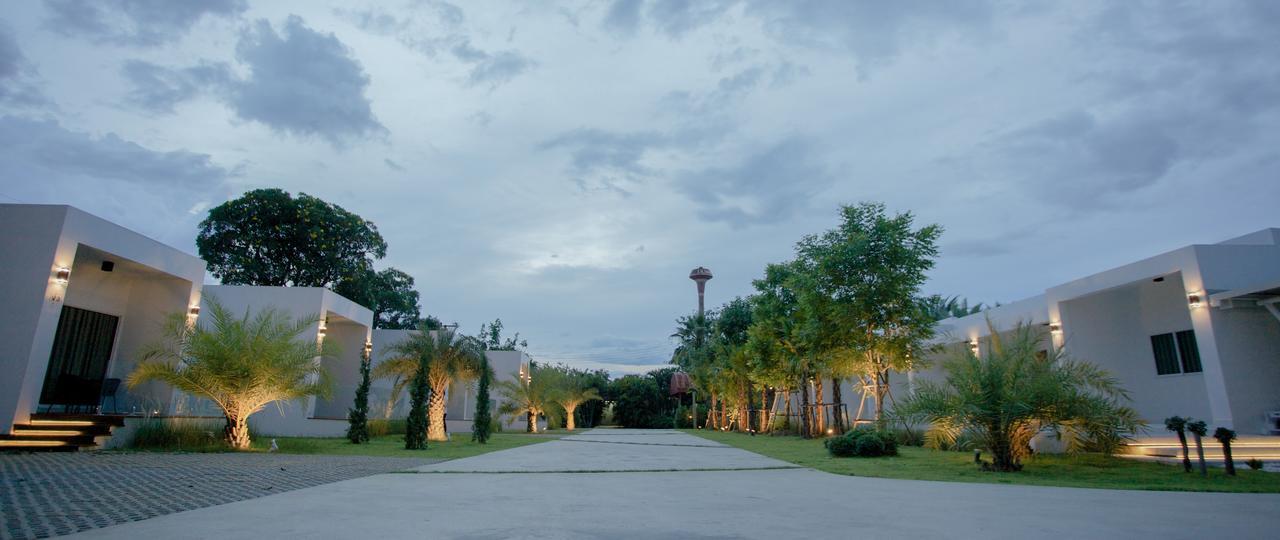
(81, 296)
(1193, 332)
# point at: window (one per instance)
(1189, 351)
(1176, 353)
(1166, 354)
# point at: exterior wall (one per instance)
(347, 329)
(1249, 344)
(1108, 318)
(38, 239)
(1113, 329)
(380, 389)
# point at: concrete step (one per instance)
(60, 433)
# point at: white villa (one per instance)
(1191, 332)
(83, 295)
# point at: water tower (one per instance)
(702, 276)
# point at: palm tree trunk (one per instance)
(533, 421)
(1186, 454)
(568, 417)
(237, 431)
(435, 415)
(711, 412)
(1204, 471)
(786, 407)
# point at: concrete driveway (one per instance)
(665, 484)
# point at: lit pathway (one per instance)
(680, 486)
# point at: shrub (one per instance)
(864, 442)
(1254, 463)
(379, 428)
(184, 434)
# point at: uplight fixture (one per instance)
(193, 311)
(63, 276)
(1055, 328)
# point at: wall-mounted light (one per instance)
(193, 311)
(62, 276)
(321, 331)
(1195, 299)
(368, 347)
(973, 346)
(1055, 328)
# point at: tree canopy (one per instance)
(388, 293)
(268, 237)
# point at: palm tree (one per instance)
(523, 396)
(1178, 424)
(1013, 394)
(242, 364)
(570, 396)
(449, 356)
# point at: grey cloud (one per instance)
(623, 16)
(873, 31)
(17, 76)
(159, 89)
(493, 69)
(134, 22)
(44, 149)
(675, 18)
(303, 82)
(1199, 84)
(767, 187)
(606, 161)
(728, 90)
(393, 165)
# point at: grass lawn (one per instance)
(1090, 471)
(393, 445)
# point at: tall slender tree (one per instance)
(418, 422)
(482, 425)
(358, 415)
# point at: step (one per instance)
(114, 420)
(60, 432)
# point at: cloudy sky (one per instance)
(563, 165)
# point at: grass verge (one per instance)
(393, 445)
(1086, 471)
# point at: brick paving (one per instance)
(52, 494)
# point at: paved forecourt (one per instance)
(664, 488)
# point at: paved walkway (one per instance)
(668, 491)
(49, 494)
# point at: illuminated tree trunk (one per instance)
(819, 411)
(711, 412)
(533, 421)
(568, 417)
(435, 413)
(237, 431)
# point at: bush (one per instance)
(1254, 463)
(682, 419)
(639, 403)
(185, 434)
(864, 442)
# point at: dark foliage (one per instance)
(482, 426)
(267, 237)
(415, 435)
(639, 403)
(358, 415)
(863, 442)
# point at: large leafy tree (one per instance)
(268, 237)
(871, 268)
(1016, 391)
(639, 402)
(240, 363)
(449, 357)
(388, 293)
